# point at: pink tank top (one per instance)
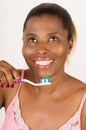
(14, 121)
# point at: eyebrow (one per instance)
(31, 34)
(52, 33)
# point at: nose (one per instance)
(42, 49)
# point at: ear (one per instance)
(70, 46)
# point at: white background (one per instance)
(12, 16)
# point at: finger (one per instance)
(16, 74)
(9, 76)
(3, 79)
(10, 71)
(4, 64)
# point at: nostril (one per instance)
(42, 49)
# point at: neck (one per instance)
(57, 82)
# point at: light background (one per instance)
(12, 16)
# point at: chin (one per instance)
(43, 74)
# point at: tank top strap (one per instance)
(22, 76)
(82, 103)
(10, 105)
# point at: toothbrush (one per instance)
(44, 81)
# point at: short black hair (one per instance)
(55, 10)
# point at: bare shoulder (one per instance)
(82, 93)
(78, 87)
(79, 92)
(76, 84)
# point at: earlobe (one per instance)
(70, 46)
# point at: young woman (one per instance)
(48, 38)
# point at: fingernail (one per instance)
(12, 85)
(2, 86)
(7, 86)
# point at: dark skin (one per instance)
(45, 49)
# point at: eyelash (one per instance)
(51, 39)
(32, 40)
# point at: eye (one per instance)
(53, 38)
(32, 40)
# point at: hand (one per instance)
(8, 74)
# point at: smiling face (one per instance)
(46, 45)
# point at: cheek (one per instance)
(26, 51)
(60, 51)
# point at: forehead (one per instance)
(45, 23)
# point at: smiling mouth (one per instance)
(42, 64)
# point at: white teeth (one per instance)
(43, 63)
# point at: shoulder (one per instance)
(80, 92)
(81, 97)
(76, 83)
(77, 88)
(83, 112)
